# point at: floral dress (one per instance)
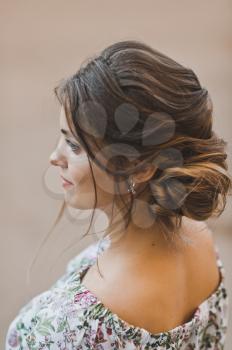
(69, 316)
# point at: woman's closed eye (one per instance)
(73, 146)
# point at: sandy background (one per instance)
(41, 42)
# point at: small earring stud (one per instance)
(131, 187)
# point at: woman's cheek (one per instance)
(79, 170)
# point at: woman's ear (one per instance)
(145, 173)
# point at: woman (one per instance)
(137, 143)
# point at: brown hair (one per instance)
(172, 129)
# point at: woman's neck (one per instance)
(136, 242)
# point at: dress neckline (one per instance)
(200, 316)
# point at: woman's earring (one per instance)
(131, 187)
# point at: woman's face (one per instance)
(73, 165)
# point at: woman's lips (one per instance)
(66, 182)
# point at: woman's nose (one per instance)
(57, 160)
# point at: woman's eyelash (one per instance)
(73, 147)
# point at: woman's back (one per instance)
(72, 316)
(176, 282)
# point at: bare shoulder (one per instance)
(200, 244)
(170, 288)
(201, 259)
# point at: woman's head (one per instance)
(138, 115)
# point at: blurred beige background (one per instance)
(41, 42)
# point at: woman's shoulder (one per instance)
(54, 317)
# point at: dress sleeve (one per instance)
(55, 321)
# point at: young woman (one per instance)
(137, 143)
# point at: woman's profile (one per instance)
(136, 142)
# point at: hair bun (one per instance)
(198, 188)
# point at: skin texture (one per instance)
(176, 280)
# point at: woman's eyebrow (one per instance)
(68, 133)
(65, 132)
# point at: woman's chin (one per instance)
(76, 203)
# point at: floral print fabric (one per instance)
(68, 316)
